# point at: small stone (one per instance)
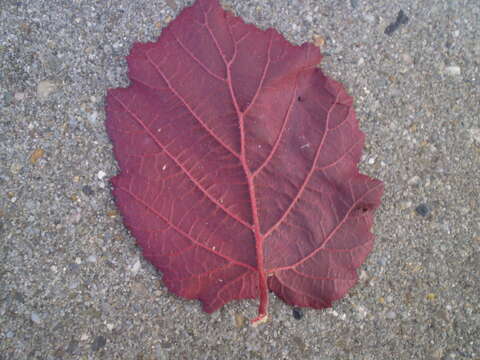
(390, 315)
(19, 96)
(407, 59)
(415, 180)
(405, 204)
(318, 40)
(297, 313)
(362, 312)
(36, 155)
(45, 88)
(9, 334)
(98, 343)
(369, 18)
(453, 70)
(73, 285)
(360, 61)
(101, 174)
(475, 134)
(72, 346)
(354, 4)
(363, 276)
(239, 321)
(136, 267)
(112, 213)
(172, 4)
(35, 318)
(422, 210)
(401, 19)
(382, 261)
(437, 354)
(92, 259)
(87, 190)
(84, 337)
(92, 117)
(110, 326)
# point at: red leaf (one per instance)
(238, 163)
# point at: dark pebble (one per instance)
(19, 297)
(354, 3)
(74, 268)
(422, 210)
(98, 343)
(402, 19)
(87, 190)
(72, 347)
(297, 313)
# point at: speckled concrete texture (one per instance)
(74, 286)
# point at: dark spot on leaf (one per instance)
(402, 19)
(422, 210)
(98, 343)
(297, 313)
(300, 99)
(87, 190)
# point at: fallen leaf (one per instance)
(238, 161)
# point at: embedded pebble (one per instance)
(45, 88)
(35, 318)
(98, 343)
(390, 315)
(136, 267)
(19, 96)
(87, 190)
(362, 312)
(475, 134)
(415, 180)
(453, 70)
(422, 210)
(297, 313)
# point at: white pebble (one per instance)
(415, 180)
(35, 318)
(453, 70)
(45, 88)
(390, 315)
(19, 96)
(475, 134)
(101, 174)
(136, 267)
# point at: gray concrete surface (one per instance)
(72, 284)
